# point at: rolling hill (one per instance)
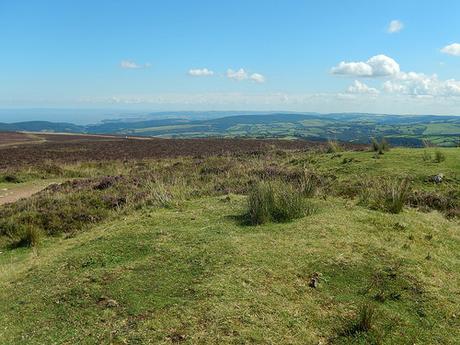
(408, 130)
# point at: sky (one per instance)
(399, 57)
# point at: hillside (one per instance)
(363, 249)
(399, 130)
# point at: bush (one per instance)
(380, 147)
(388, 196)
(333, 147)
(289, 204)
(426, 156)
(364, 321)
(308, 184)
(439, 156)
(30, 237)
(274, 201)
(10, 178)
(261, 202)
(396, 196)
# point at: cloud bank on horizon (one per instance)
(297, 57)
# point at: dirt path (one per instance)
(12, 193)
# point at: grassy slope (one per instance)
(193, 274)
(196, 273)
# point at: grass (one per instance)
(195, 274)
(275, 201)
(170, 262)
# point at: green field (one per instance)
(163, 254)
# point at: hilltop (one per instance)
(275, 244)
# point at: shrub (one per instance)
(385, 146)
(426, 156)
(380, 147)
(289, 204)
(308, 184)
(10, 178)
(447, 202)
(274, 201)
(30, 237)
(388, 196)
(364, 321)
(439, 156)
(333, 147)
(261, 202)
(396, 196)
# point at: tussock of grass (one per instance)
(386, 195)
(363, 322)
(333, 147)
(380, 147)
(30, 236)
(439, 156)
(275, 201)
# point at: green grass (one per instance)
(194, 273)
(179, 266)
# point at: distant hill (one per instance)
(409, 130)
(42, 126)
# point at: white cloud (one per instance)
(410, 84)
(386, 102)
(128, 64)
(452, 49)
(377, 66)
(239, 75)
(361, 88)
(395, 26)
(419, 84)
(200, 72)
(258, 78)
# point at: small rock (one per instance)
(111, 303)
(108, 302)
(438, 178)
(314, 280)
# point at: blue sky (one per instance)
(325, 56)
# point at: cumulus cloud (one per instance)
(241, 74)
(200, 72)
(452, 49)
(410, 84)
(395, 26)
(258, 78)
(361, 88)
(420, 84)
(377, 66)
(128, 64)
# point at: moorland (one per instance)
(229, 241)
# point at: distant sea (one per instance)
(76, 116)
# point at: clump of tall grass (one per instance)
(439, 156)
(275, 201)
(308, 184)
(426, 157)
(388, 196)
(333, 147)
(29, 236)
(380, 147)
(363, 323)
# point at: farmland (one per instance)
(131, 241)
(400, 130)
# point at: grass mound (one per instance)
(275, 201)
